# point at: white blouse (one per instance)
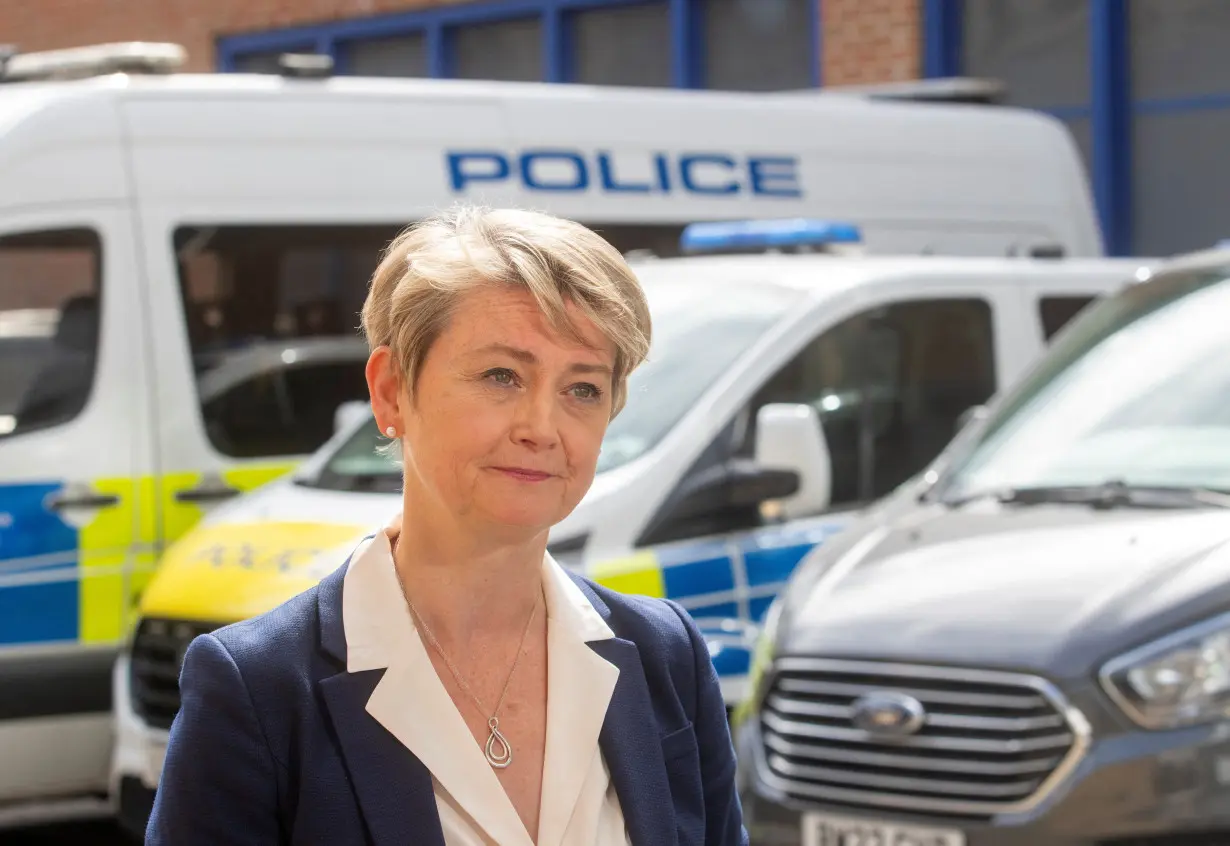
(579, 806)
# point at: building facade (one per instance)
(1139, 83)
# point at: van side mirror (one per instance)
(789, 437)
(725, 497)
(349, 413)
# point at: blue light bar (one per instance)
(757, 235)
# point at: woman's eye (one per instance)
(501, 376)
(586, 392)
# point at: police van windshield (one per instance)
(696, 338)
(1136, 393)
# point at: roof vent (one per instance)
(954, 89)
(94, 60)
(306, 65)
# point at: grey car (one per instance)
(1030, 643)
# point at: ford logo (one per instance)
(888, 714)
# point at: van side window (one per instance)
(273, 324)
(50, 296)
(889, 385)
(1056, 312)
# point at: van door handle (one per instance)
(207, 492)
(81, 497)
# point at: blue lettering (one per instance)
(492, 167)
(579, 180)
(687, 163)
(574, 171)
(606, 169)
(663, 167)
(775, 177)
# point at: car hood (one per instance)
(1054, 588)
(257, 552)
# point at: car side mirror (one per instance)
(349, 413)
(790, 438)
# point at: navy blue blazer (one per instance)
(273, 745)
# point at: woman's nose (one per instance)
(535, 423)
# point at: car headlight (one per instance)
(1180, 680)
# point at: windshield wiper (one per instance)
(355, 482)
(1113, 493)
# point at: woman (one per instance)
(450, 684)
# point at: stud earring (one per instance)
(391, 431)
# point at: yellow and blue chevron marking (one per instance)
(726, 583)
(64, 584)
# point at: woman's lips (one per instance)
(524, 475)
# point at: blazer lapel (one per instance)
(393, 787)
(634, 755)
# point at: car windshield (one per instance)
(695, 340)
(1136, 393)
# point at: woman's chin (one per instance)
(524, 517)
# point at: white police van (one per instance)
(782, 392)
(165, 237)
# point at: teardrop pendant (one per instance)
(498, 759)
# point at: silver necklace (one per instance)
(497, 750)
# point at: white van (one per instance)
(713, 482)
(179, 253)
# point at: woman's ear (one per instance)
(384, 386)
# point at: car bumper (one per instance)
(138, 754)
(1131, 789)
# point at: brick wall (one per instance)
(864, 40)
(869, 41)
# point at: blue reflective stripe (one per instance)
(705, 576)
(732, 660)
(39, 613)
(758, 606)
(774, 565)
(39, 594)
(734, 579)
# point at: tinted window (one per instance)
(282, 411)
(510, 50)
(273, 315)
(759, 45)
(889, 386)
(404, 55)
(1055, 312)
(50, 286)
(622, 45)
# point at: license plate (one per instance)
(828, 830)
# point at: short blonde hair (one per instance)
(430, 265)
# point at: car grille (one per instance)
(157, 652)
(989, 742)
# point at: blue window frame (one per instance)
(437, 26)
(1113, 111)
